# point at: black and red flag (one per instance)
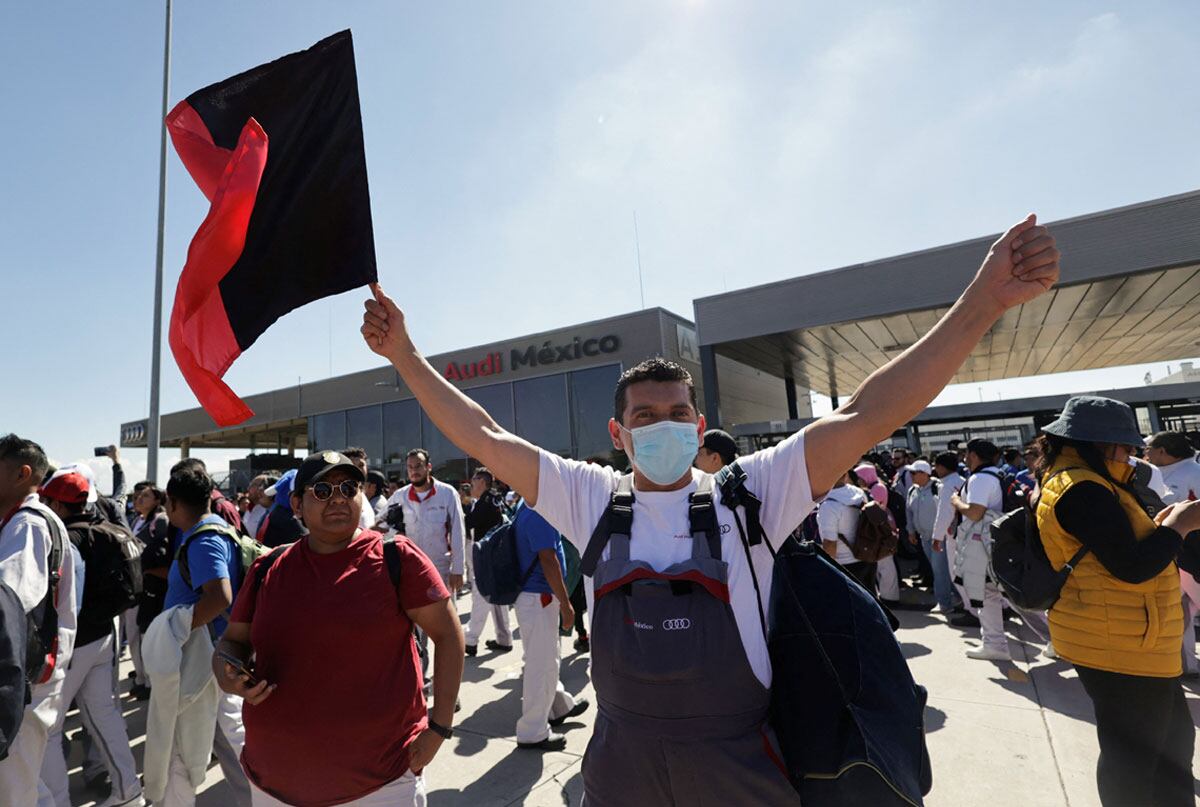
(278, 151)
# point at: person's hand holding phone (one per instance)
(238, 679)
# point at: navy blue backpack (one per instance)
(845, 709)
(498, 573)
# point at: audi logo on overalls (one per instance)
(677, 624)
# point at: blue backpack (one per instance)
(847, 713)
(498, 574)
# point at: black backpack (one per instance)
(113, 582)
(1020, 563)
(14, 687)
(41, 646)
(844, 706)
(1016, 493)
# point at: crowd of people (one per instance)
(306, 634)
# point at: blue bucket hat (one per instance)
(1094, 419)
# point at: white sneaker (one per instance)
(115, 801)
(989, 654)
(1050, 652)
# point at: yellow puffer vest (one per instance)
(1100, 621)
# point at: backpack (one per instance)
(247, 549)
(14, 687)
(876, 537)
(1020, 563)
(1016, 494)
(845, 709)
(897, 505)
(41, 646)
(114, 569)
(498, 574)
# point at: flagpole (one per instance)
(152, 437)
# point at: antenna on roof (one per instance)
(637, 243)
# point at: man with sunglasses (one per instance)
(322, 633)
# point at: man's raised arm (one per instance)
(462, 420)
(1020, 266)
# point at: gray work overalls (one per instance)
(681, 717)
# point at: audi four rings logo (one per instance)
(677, 624)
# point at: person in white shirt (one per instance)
(837, 524)
(706, 677)
(358, 456)
(981, 502)
(26, 526)
(945, 468)
(1173, 455)
(260, 502)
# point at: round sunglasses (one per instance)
(323, 491)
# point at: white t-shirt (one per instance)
(838, 515)
(366, 519)
(24, 556)
(951, 483)
(1182, 479)
(573, 495)
(981, 488)
(251, 521)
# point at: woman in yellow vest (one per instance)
(1119, 619)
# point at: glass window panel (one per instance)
(401, 430)
(364, 429)
(329, 432)
(542, 415)
(496, 399)
(591, 409)
(437, 444)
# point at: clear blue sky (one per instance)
(508, 145)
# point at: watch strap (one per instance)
(440, 730)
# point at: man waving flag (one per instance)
(278, 151)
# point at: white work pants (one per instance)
(21, 771)
(407, 791)
(134, 637)
(542, 693)
(480, 610)
(951, 548)
(91, 682)
(887, 579)
(991, 619)
(227, 747)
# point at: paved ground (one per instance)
(1018, 733)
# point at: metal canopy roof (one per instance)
(1129, 293)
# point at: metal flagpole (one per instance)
(156, 347)
(637, 242)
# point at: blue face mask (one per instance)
(664, 451)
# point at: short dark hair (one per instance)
(947, 459)
(418, 452)
(984, 449)
(189, 462)
(355, 453)
(484, 473)
(145, 483)
(191, 487)
(1011, 455)
(1174, 443)
(19, 451)
(655, 369)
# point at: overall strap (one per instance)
(616, 520)
(702, 521)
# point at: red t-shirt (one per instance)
(327, 631)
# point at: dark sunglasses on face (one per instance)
(323, 491)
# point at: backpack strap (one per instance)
(616, 520)
(702, 521)
(732, 482)
(391, 557)
(181, 554)
(55, 560)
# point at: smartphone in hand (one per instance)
(239, 666)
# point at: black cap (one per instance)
(317, 466)
(721, 443)
(377, 478)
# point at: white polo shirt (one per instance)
(573, 495)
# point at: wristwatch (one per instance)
(440, 730)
